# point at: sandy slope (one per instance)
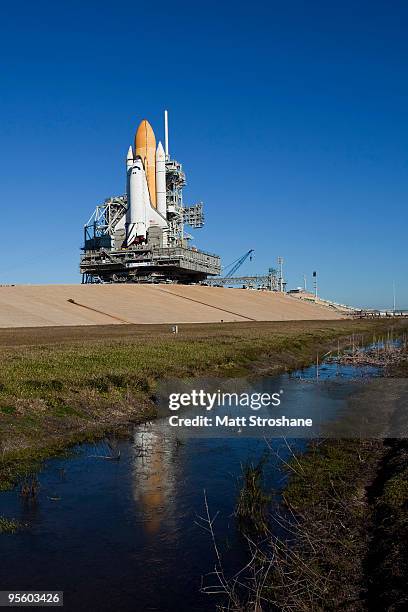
(44, 305)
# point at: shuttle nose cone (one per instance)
(145, 146)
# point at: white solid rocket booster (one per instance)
(136, 212)
(129, 158)
(161, 180)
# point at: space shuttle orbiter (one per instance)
(146, 185)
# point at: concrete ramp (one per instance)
(48, 305)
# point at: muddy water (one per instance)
(123, 535)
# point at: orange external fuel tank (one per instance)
(145, 146)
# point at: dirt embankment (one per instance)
(104, 304)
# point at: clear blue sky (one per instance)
(290, 119)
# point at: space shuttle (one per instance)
(146, 186)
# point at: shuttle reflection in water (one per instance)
(155, 473)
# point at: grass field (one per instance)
(63, 385)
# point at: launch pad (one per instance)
(140, 236)
(148, 264)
